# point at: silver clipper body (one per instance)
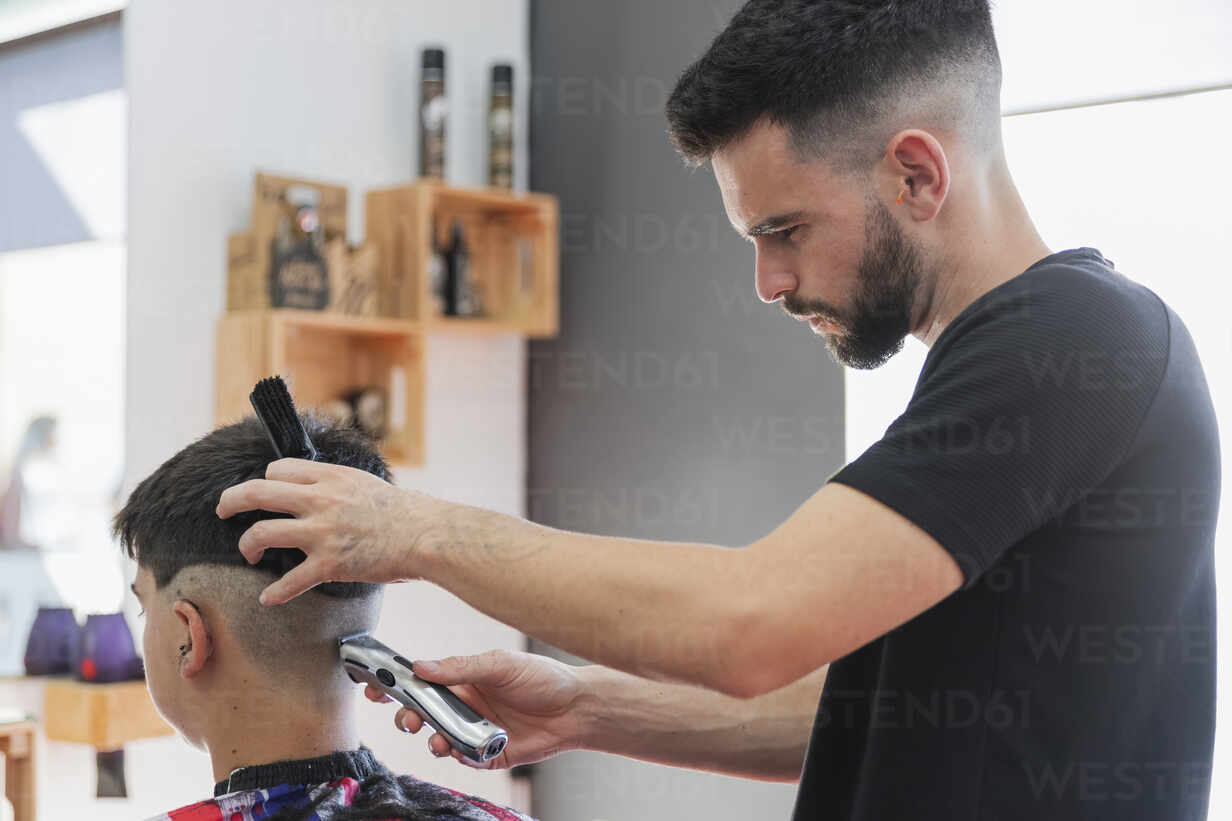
(368, 660)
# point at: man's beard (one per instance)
(879, 319)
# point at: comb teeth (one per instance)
(272, 402)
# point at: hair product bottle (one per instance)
(460, 296)
(298, 275)
(500, 127)
(436, 275)
(433, 111)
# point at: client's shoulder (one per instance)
(384, 791)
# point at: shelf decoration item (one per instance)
(52, 645)
(297, 276)
(500, 127)
(370, 411)
(280, 261)
(353, 284)
(461, 294)
(433, 112)
(105, 651)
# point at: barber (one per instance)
(1013, 589)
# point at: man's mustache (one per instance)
(802, 309)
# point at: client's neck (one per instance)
(256, 722)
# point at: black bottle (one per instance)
(433, 111)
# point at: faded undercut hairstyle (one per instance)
(169, 521)
(170, 527)
(843, 77)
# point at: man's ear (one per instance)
(196, 651)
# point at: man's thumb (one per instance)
(442, 671)
(456, 669)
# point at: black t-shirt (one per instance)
(1061, 445)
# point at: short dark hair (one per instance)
(825, 70)
(170, 523)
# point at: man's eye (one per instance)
(787, 233)
(141, 612)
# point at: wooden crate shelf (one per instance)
(514, 246)
(515, 258)
(323, 356)
(105, 716)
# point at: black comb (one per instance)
(272, 402)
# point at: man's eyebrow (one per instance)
(133, 587)
(772, 224)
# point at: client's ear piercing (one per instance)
(909, 185)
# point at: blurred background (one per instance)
(606, 365)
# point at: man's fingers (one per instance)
(474, 765)
(376, 695)
(439, 747)
(297, 580)
(262, 494)
(299, 471)
(267, 533)
(492, 668)
(408, 721)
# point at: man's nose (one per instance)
(772, 279)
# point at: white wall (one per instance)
(322, 89)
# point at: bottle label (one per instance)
(434, 113)
(500, 123)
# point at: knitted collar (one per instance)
(358, 764)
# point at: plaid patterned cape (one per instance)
(258, 805)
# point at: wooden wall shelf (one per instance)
(514, 245)
(323, 357)
(515, 258)
(105, 716)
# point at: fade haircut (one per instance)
(170, 527)
(843, 77)
(169, 522)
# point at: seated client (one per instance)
(261, 689)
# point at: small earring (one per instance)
(900, 198)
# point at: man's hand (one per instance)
(533, 698)
(548, 708)
(354, 526)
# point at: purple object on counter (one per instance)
(53, 642)
(106, 651)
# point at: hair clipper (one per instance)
(367, 660)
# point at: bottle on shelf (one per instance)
(500, 127)
(436, 275)
(461, 295)
(298, 274)
(433, 112)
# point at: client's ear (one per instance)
(195, 653)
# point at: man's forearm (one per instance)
(659, 610)
(763, 737)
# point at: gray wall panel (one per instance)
(674, 405)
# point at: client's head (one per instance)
(213, 654)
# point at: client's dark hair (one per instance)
(834, 71)
(169, 522)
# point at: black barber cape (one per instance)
(1061, 445)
